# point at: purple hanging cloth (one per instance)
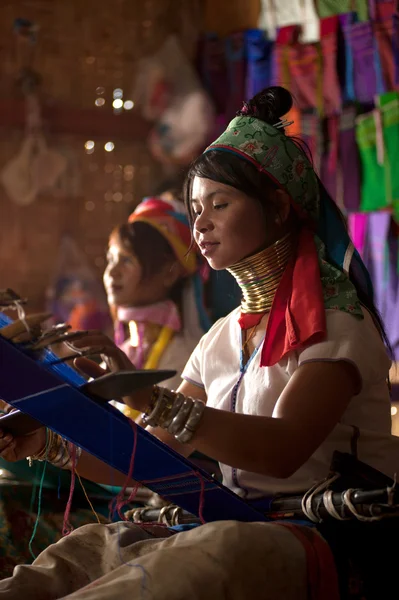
(259, 61)
(379, 263)
(363, 73)
(349, 160)
(391, 318)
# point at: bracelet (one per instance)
(152, 418)
(177, 414)
(67, 466)
(177, 403)
(57, 451)
(192, 422)
(163, 407)
(49, 450)
(180, 419)
(153, 400)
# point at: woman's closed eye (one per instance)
(220, 206)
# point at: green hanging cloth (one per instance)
(329, 8)
(373, 188)
(389, 106)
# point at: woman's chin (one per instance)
(115, 299)
(217, 265)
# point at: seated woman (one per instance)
(271, 391)
(154, 288)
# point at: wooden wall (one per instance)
(227, 16)
(81, 45)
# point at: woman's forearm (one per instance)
(263, 445)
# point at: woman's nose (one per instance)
(203, 223)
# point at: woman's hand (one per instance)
(14, 449)
(99, 344)
(114, 358)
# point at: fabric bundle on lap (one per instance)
(250, 560)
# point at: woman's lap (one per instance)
(223, 559)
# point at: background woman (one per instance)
(154, 287)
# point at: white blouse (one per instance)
(215, 366)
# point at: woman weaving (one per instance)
(154, 292)
(300, 370)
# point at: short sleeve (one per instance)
(354, 340)
(192, 370)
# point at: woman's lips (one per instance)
(208, 248)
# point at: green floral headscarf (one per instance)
(324, 239)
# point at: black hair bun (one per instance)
(269, 105)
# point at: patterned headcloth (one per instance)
(319, 276)
(172, 224)
(170, 220)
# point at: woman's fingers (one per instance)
(7, 446)
(93, 339)
(89, 368)
(96, 343)
(13, 449)
(6, 408)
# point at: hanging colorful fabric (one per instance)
(382, 252)
(329, 165)
(357, 224)
(258, 53)
(235, 59)
(362, 59)
(391, 320)
(348, 88)
(382, 19)
(329, 46)
(389, 108)
(349, 160)
(301, 65)
(395, 327)
(280, 72)
(328, 8)
(373, 196)
(395, 43)
(274, 15)
(267, 18)
(305, 63)
(378, 227)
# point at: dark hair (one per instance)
(269, 105)
(151, 249)
(147, 244)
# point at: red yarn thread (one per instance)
(67, 528)
(202, 497)
(117, 503)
